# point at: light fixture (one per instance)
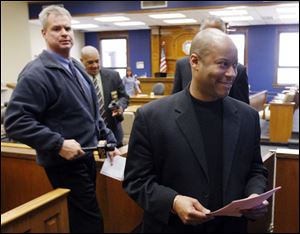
(290, 16)
(167, 16)
(112, 18)
(229, 12)
(74, 21)
(237, 18)
(129, 23)
(84, 26)
(180, 21)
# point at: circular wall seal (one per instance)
(186, 47)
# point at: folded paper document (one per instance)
(234, 208)
(114, 170)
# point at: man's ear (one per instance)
(194, 60)
(43, 31)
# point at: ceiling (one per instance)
(262, 15)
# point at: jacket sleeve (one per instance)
(240, 88)
(177, 79)
(25, 113)
(257, 180)
(141, 178)
(122, 94)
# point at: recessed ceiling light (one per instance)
(167, 16)
(290, 16)
(130, 23)
(84, 26)
(180, 21)
(288, 10)
(229, 13)
(237, 18)
(112, 18)
(75, 22)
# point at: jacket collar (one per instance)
(186, 119)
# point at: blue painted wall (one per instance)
(139, 42)
(91, 39)
(262, 47)
(94, 7)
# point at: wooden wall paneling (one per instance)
(21, 180)
(174, 37)
(281, 121)
(286, 210)
(155, 50)
(45, 214)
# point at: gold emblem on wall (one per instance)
(186, 46)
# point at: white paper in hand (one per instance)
(234, 208)
(116, 170)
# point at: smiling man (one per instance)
(197, 150)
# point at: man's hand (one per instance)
(190, 211)
(112, 154)
(257, 211)
(71, 150)
(118, 111)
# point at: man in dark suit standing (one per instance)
(197, 150)
(110, 86)
(183, 73)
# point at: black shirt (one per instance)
(210, 119)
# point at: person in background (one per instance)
(131, 83)
(52, 109)
(183, 73)
(110, 88)
(197, 150)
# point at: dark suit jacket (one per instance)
(166, 157)
(111, 81)
(239, 89)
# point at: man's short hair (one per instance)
(52, 9)
(207, 21)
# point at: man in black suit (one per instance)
(197, 150)
(110, 84)
(183, 73)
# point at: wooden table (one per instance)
(142, 99)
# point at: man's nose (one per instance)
(231, 71)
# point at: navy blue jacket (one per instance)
(47, 107)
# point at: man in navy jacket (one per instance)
(53, 110)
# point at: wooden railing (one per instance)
(258, 100)
(146, 84)
(22, 180)
(45, 214)
(286, 209)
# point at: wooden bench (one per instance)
(286, 209)
(45, 214)
(258, 100)
(22, 180)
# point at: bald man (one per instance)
(109, 83)
(197, 150)
(183, 73)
